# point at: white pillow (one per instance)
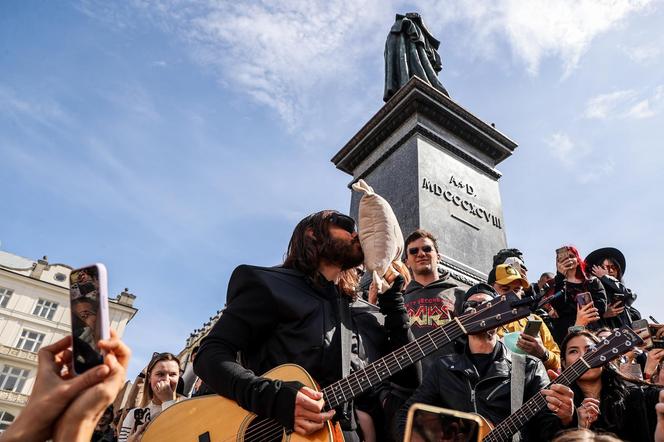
(379, 232)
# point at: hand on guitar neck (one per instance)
(309, 416)
(560, 400)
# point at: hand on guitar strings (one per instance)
(309, 417)
(588, 412)
(560, 400)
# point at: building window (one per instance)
(13, 378)
(6, 418)
(30, 340)
(45, 309)
(5, 294)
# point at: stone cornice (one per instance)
(417, 97)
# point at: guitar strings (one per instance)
(503, 431)
(270, 426)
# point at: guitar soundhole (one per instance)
(263, 430)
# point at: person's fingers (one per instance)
(305, 427)
(552, 374)
(313, 394)
(313, 417)
(87, 379)
(305, 402)
(46, 355)
(118, 348)
(563, 390)
(63, 358)
(58, 346)
(527, 338)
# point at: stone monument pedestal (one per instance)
(435, 163)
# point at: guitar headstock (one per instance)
(621, 341)
(499, 311)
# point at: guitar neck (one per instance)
(507, 428)
(373, 374)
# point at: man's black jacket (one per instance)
(276, 316)
(453, 382)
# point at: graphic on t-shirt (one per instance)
(432, 312)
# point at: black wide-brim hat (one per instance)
(596, 257)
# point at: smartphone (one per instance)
(652, 330)
(88, 298)
(583, 299)
(640, 327)
(617, 297)
(532, 327)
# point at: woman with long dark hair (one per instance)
(583, 301)
(608, 264)
(605, 400)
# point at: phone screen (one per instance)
(86, 291)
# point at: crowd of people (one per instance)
(314, 311)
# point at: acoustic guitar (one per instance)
(620, 342)
(217, 419)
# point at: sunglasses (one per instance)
(468, 305)
(415, 250)
(343, 222)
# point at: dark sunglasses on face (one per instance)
(468, 305)
(415, 250)
(343, 222)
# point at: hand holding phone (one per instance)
(583, 299)
(88, 293)
(586, 314)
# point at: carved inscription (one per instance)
(462, 201)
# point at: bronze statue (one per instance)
(410, 50)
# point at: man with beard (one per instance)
(478, 379)
(430, 297)
(293, 313)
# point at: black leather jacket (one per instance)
(276, 316)
(453, 382)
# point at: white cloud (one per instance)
(625, 104)
(536, 29)
(44, 111)
(561, 146)
(645, 54)
(594, 171)
(288, 55)
(578, 158)
(604, 105)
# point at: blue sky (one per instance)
(175, 140)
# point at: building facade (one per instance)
(34, 312)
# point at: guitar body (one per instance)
(485, 428)
(215, 419)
